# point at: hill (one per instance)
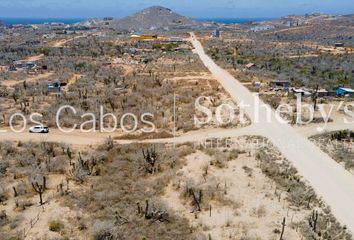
(154, 18)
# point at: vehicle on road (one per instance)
(39, 129)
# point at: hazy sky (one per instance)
(192, 8)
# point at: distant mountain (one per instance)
(154, 18)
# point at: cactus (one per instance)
(150, 157)
(282, 229)
(40, 188)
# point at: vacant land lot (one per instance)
(244, 190)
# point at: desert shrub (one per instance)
(23, 204)
(248, 170)
(300, 195)
(104, 230)
(220, 160)
(3, 193)
(23, 159)
(7, 148)
(325, 228)
(3, 218)
(273, 101)
(22, 188)
(233, 154)
(55, 226)
(343, 135)
(112, 200)
(3, 167)
(286, 177)
(58, 164)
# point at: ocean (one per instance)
(11, 21)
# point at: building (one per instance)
(261, 28)
(215, 33)
(49, 36)
(339, 44)
(24, 64)
(54, 87)
(303, 92)
(344, 92)
(322, 93)
(137, 37)
(280, 84)
(251, 67)
(291, 23)
(175, 40)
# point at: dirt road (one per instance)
(74, 138)
(62, 42)
(330, 181)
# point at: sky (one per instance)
(191, 8)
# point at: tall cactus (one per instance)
(40, 188)
(150, 157)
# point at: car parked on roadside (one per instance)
(39, 129)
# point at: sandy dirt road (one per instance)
(77, 137)
(62, 42)
(330, 181)
(35, 58)
(55, 135)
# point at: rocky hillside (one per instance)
(154, 18)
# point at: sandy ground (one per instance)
(303, 56)
(252, 212)
(35, 58)
(35, 218)
(330, 180)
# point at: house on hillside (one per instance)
(146, 37)
(49, 36)
(282, 84)
(175, 40)
(303, 92)
(25, 64)
(215, 33)
(344, 92)
(323, 93)
(260, 28)
(251, 67)
(54, 87)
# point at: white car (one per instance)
(39, 129)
